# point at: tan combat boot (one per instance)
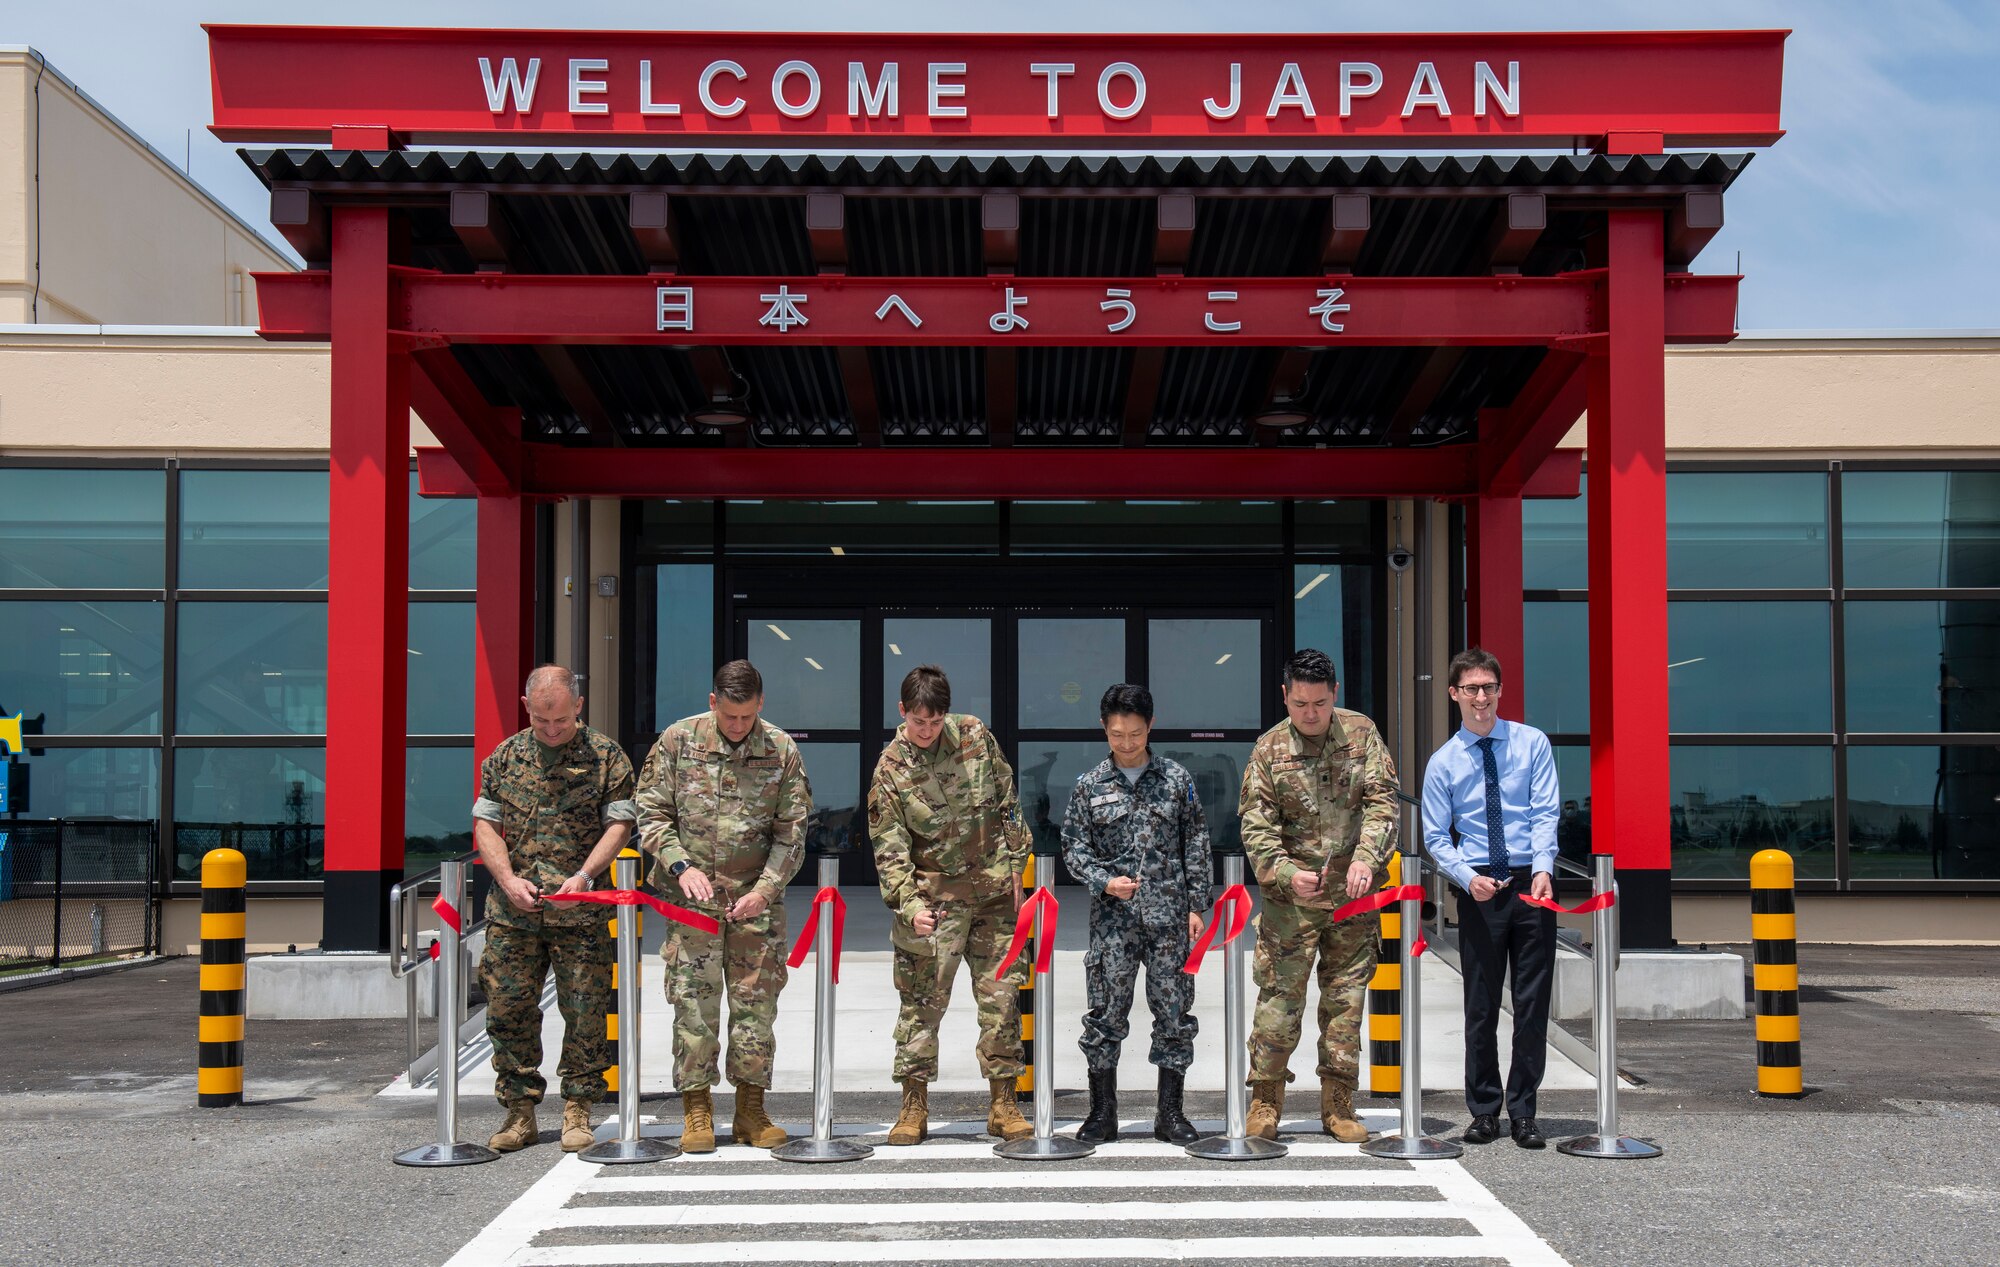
(1336, 1112)
(697, 1121)
(1004, 1118)
(576, 1135)
(1267, 1108)
(518, 1131)
(751, 1125)
(913, 1124)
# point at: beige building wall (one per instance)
(122, 235)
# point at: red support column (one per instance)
(505, 637)
(1626, 491)
(1493, 590)
(367, 589)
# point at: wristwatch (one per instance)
(674, 872)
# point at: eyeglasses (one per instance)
(1478, 688)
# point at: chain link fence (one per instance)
(76, 890)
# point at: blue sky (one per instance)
(1879, 210)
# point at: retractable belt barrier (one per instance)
(1235, 1143)
(1410, 1143)
(823, 931)
(1603, 909)
(631, 1146)
(450, 905)
(1038, 918)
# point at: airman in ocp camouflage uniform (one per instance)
(1135, 836)
(949, 847)
(1319, 821)
(723, 803)
(554, 808)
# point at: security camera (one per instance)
(1400, 559)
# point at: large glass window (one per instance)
(253, 530)
(1730, 802)
(684, 640)
(1746, 530)
(1926, 667)
(437, 806)
(1344, 526)
(1145, 527)
(1573, 779)
(92, 783)
(676, 527)
(1046, 772)
(82, 529)
(838, 821)
(811, 670)
(1923, 813)
(1065, 666)
(1333, 609)
(90, 668)
(1554, 550)
(1556, 677)
(1749, 667)
(1209, 670)
(1217, 768)
(252, 669)
(863, 527)
(960, 645)
(270, 803)
(444, 542)
(440, 655)
(1920, 529)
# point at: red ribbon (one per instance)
(1024, 926)
(804, 943)
(436, 949)
(1388, 897)
(1585, 907)
(632, 897)
(449, 914)
(1237, 898)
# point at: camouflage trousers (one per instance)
(1288, 938)
(747, 962)
(513, 967)
(924, 971)
(1119, 944)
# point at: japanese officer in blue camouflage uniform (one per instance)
(1135, 836)
(555, 806)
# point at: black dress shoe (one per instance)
(1526, 1133)
(1484, 1129)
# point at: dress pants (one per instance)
(1505, 940)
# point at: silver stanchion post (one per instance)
(629, 1146)
(1411, 1143)
(1044, 1144)
(448, 1151)
(821, 1146)
(1607, 1142)
(1235, 1144)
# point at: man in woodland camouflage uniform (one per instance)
(1319, 820)
(554, 808)
(723, 801)
(1135, 836)
(949, 847)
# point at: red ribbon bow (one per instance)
(632, 897)
(804, 943)
(1024, 925)
(1235, 897)
(1388, 897)
(1585, 907)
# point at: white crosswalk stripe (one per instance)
(952, 1201)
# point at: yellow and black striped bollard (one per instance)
(1025, 1084)
(219, 1066)
(1774, 932)
(1385, 999)
(611, 1017)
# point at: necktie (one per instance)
(1496, 829)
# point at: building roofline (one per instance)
(34, 54)
(1914, 335)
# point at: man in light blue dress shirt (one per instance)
(1495, 781)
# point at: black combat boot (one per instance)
(1169, 1122)
(1102, 1124)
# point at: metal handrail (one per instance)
(406, 957)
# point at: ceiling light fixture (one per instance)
(782, 635)
(1310, 586)
(1225, 657)
(816, 664)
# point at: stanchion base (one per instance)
(1249, 1148)
(1422, 1148)
(443, 1155)
(618, 1152)
(1615, 1147)
(1054, 1148)
(817, 1150)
